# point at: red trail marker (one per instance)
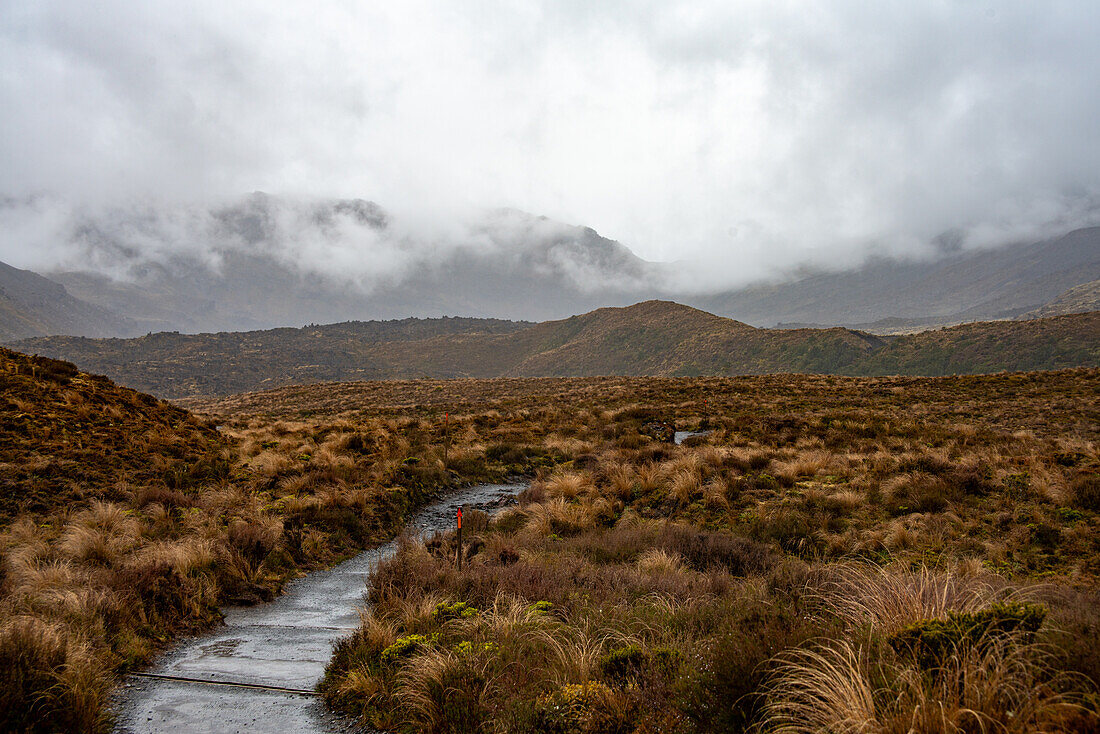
(458, 558)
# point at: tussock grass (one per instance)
(696, 565)
(989, 678)
(753, 581)
(886, 599)
(1003, 685)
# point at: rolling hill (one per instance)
(67, 437)
(1037, 344)
(657, 338)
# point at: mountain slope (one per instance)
(1082, 298)
(31, 305)
(962, 286)
(262, 262)
(651, 338)
(1039, 344)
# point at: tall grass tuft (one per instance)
(50, 680)
(888, 599)
(1002, 685)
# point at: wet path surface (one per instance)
(285, 643)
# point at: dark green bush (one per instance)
(624, 664)
(931, 641)
(631, 664)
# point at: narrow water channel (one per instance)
(282, 644)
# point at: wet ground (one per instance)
(284, 644)
(681, 436)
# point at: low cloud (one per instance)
(346, 243)
(746, 139)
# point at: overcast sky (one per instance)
(744, 133)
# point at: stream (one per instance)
(283, 644)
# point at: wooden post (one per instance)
(459, 555)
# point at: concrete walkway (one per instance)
(285, 644)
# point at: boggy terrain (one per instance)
(886, 555)
(874, 547)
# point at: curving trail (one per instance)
(282, 644)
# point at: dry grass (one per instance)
(1003, 686)
(886, 599)
(643, 551)
(659, 561)
(1002, 682)
(713, 555)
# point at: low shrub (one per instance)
(931, 641)
(582, 708)
(908, 493)
(445, 612)
(406, 646)
(707, 550)
(631, 664)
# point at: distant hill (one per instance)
(171, 364)
(67, 437)
(657, 338)
(669, 339)
(1082, 298)
(31, 305)
(992, 346)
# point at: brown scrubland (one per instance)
(836, 554)
(880, 555)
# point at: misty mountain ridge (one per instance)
(264, 262)
(1081, 298)
(267, 262)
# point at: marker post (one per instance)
(458, 557)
